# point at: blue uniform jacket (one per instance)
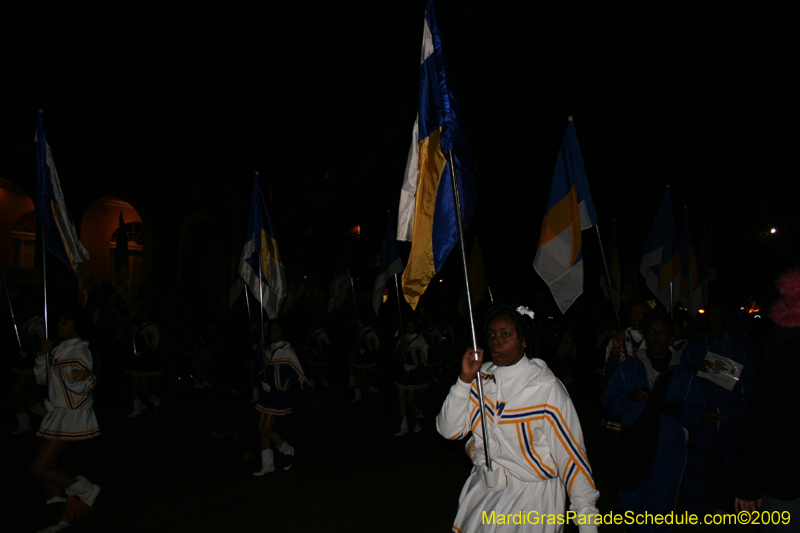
(684, 389)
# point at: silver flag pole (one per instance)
(459, 224)
(10, 308)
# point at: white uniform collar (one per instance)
(510, 372)
(635, 335)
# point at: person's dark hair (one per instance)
(80, 317)
(283, 327)
(656, 316)
(524, 324)
(633, 302)
(414, 319)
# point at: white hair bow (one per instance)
(525, 311)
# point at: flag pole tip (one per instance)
(41, 111)
(569, 118)
(256, 172)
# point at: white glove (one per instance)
(496, 479)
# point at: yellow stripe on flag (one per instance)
(269, 247)
(420, 269)
(669, 271)
(561, 217)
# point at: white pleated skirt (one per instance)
(520, 507)
(69, 424)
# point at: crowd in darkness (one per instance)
(183, 349)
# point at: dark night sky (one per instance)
(702, 98)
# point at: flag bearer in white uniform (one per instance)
(67, 372)
(535, 439)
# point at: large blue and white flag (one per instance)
(427, 215)
(342, 278)
(391, 264)
(661, 261)
(260, 263)
(570, 209)
(61, 238)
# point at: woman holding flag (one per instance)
(67, 372)
(534, 436)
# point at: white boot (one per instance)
(254, 399)
(83, 489)
(403, 428)
(23, 424)
(418, 426)
(287, 455)
(138, 407)
(155, 400)
(61, 524)
(267, 462)
(357, 396)
(373, 390)
(39, 409)
(352, 382)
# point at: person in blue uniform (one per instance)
(657, 401)
(278, 367)
(623, 345)
(717, 439)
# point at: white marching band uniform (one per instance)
(70, 415)
(535, 442)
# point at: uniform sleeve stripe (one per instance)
(571, 482)
(489, 403)
(488, 408)
(528, 433)
(64, 389)
(563, 432)
(475, 417)
(570, 470)
(457, 436)
(535, 466)
(583, 466)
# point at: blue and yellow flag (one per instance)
(691, 285)
(570, 209)
(427, 214)
(661, 261)
(260, 263)
(61, 237)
